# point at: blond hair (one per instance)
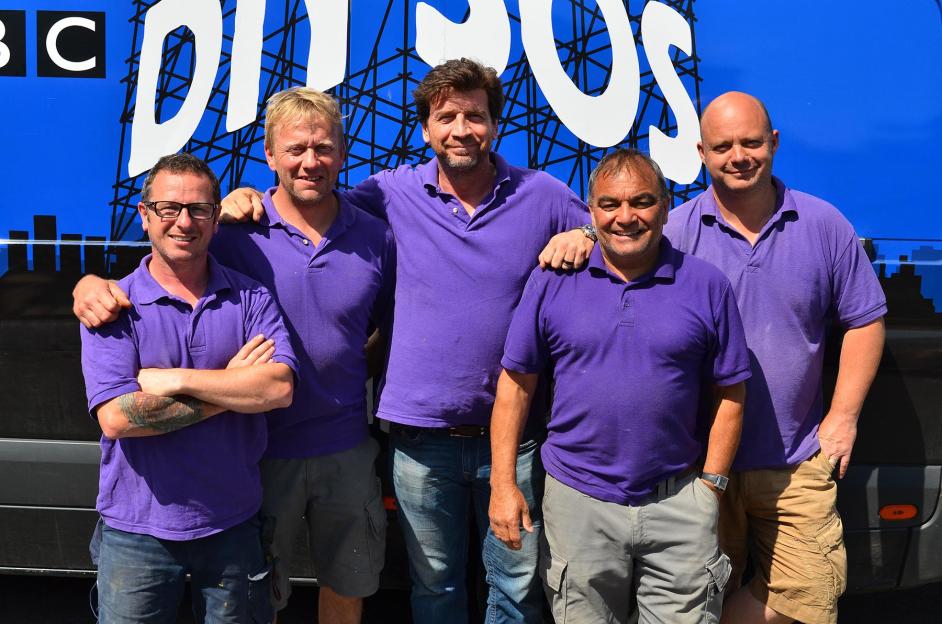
(302, 103)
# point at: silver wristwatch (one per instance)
(589, 230)
(719, 481)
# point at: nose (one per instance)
(460, 127)
(184, 220)
(310, 159)
(626, 214)
(737, 153)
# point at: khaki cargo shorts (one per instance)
(786, 521)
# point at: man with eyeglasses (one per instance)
(179, 384)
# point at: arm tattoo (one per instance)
(163, 414)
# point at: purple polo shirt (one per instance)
(630, 361)
(806, 271)
(332, 296)
(458, 279)
(204, 478)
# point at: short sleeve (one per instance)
(264, 317)
(525, 349)
(381, 316)
(730, 356)
(369, 195)
(110, 361)
(575, 212)
(857, 295)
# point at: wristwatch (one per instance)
(719, 481)
(589, 230)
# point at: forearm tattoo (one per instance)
(164, 414)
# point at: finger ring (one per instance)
(566, 263)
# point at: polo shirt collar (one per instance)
(784, 204)
(346, 214)
(428, 172)
(664, 267)
(148, 291)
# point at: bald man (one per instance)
(797, 268)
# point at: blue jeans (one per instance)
(439, 482)
(141, 578)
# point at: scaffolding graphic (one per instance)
(383, 68)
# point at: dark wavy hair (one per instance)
(458, 75)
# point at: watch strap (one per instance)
(719, 481)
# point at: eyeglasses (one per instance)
(201, 211)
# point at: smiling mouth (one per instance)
(310, 179)
(631, 235)
(181, 238)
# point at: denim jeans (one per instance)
(141, 578)
(440, 481)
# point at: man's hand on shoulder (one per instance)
(507, 510)
(567, 250)
(836, 435)
(97, 301)
(241, 205)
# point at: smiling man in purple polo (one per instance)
(469, 228)
(797, 268)
(331, 267)
(178, 384)
(635, 461)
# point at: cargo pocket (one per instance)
(830, 539)
(717, 577)
(376, 530)
(553, 574)
(261, 608)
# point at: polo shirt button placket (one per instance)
(627, 312)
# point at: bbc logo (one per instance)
(69, 44)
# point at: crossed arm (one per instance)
(174, 398)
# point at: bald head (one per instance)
(737, 146)
(735, 104)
